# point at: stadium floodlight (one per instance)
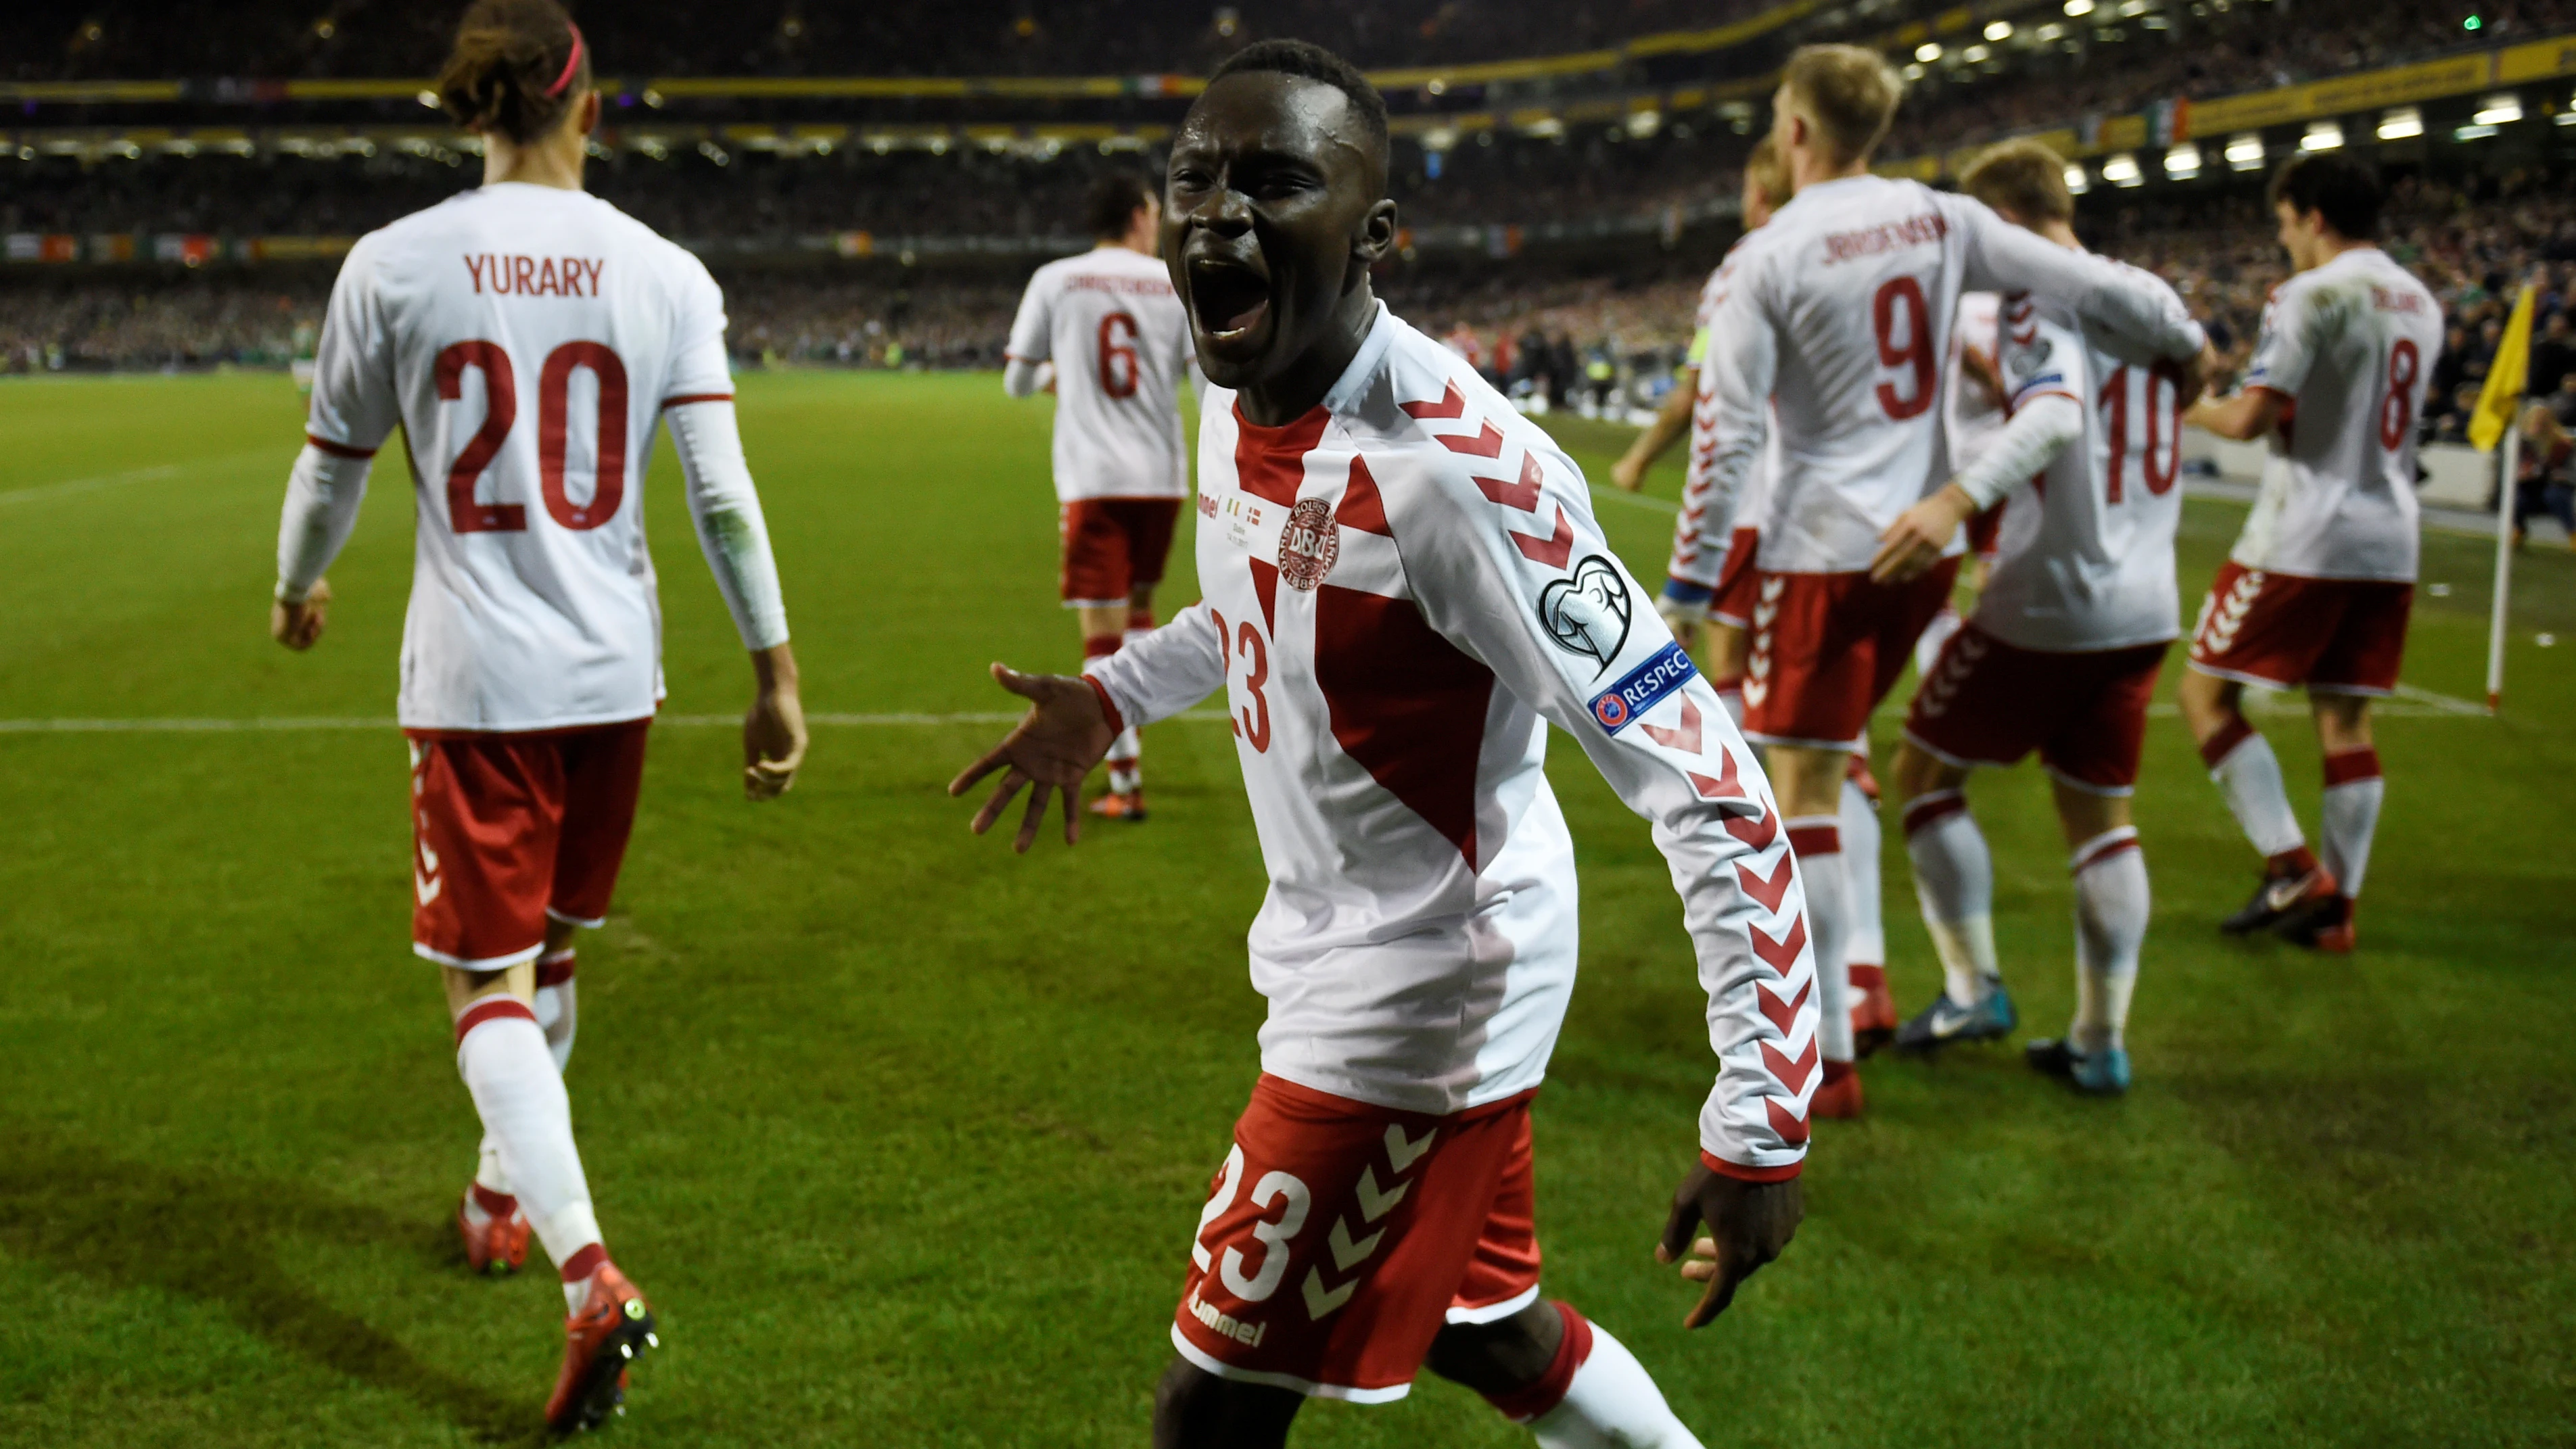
(2245, 151)
(2078, 9)
(1999, 30)
(1913, 72)
(2401, 123)
(2076, 181)
(2050, 33)
(429, 99)
(2123, 170)
(2131, 8)
(1642, 124)
(2501, 109)
(1928, 52)
(2183, 162)
(1439, 138)
(1976, 54)
(2473, 133)
(2322, 136)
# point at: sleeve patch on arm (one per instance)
(1641, 688)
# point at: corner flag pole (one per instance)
(2506, 482)
(2498, 419)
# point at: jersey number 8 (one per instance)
(466, 513)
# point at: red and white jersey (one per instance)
(1699, 556)
(1120, 341)
(2351, 344)
(1840, 316)
(527, 339)
(1404, 588)
(2085, 558)
(1970, 417)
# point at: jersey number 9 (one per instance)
(1914, 356)
(466, 513)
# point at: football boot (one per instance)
(2320, 925)
(612, 1330)
(2096, 1074)
(1838, 1095)
(2282, 894)
(1945, 1022)
(494, 1229)
(1873, 1010)
(1127, 805)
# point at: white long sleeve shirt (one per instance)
(1403, 589)
(527, 340)
(1838, 317)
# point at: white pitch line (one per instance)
(1635, 500)
(131, 475)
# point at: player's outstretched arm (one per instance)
(2125, 301)
(773, 729)
(1066, 731)
(1749, 1223)
(1671, 421)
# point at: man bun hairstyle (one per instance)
(517, 68)
(2023, 179)
(1768, 173)
(1850, 93)
(2345, 191)
(1315, 63)
(1111, 203)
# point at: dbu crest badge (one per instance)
(1587, 612)
(1308, 545)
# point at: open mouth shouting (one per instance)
(1230, 304)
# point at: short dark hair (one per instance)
(1315, 63)
(2343, 190)
(1111, 203)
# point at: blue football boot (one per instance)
(1945, 1022)
(2096, 1074)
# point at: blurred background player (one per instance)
(2318, 587)
(1393, 624)
(1105, 333)
(525, 336)
(2061, 653)
(1832, 332)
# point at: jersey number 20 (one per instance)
(466, 513)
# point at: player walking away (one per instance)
(2317, 589)
(1404, 587)
(1832, 332)
(2061, 653)
(1108, 327)
(525, 336)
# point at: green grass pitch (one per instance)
(907, 1136)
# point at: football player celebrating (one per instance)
(1404, 588)
(2317, 589)
(2061, 653)
(526, 336)
(1832, 332)
(1104, 331)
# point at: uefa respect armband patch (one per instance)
(1642, 688)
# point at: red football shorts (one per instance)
(1828, 647)
(1339, 1237)
(2336, 636)
(1114, 546)
(1990, 703)
(1734, 599)
(508, 829)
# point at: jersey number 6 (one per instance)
(465, 513)
(1117, 356)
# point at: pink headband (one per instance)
(572, 63)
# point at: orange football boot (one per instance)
(499, 1243)
(1121, 805)
(1873, 1010)
(613, 1328)
(1838, 1095)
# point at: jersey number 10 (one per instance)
(467, 514)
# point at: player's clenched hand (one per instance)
(1063, 735)
(298, 624)
(2202, 372)
(773, 729)
(1915, 540)
(1748, 1224)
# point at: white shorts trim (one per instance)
(1956, 762)
(1849, 746)
(1491, 1311)
(1344, 1392)
(588, 925)
(2237, 676)
(491, 963)
(2086, 787)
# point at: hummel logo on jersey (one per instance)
(1617, 707)
(1226, 1325)
(1587, 613)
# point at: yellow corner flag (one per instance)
(2508, 377)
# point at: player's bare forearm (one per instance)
(1065, 733)
(2243, 418)
(1749, 1224)
(1629, 473)
(773, 730)
(1916, 539)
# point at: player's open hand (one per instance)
(298, 624)
(773, 729)
(1914, 542)
(1748, 1225)
(1052, 748)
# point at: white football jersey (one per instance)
(1120, 341)
(1699, 557)
(2352, 345)
(1840, 317)
(527, 339)
(1972, 418)
(1404, 588)
(2085, 558)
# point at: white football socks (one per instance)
(1954, 883)
(2354, 789)
(2111, 908)
(1612, 1403)
(2249, 776)
(556, 1006)
(1866, 945)
(1817, 842)
(1124, 776)
(502, 1054)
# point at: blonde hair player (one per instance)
(527, 337)
(1832, 334)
